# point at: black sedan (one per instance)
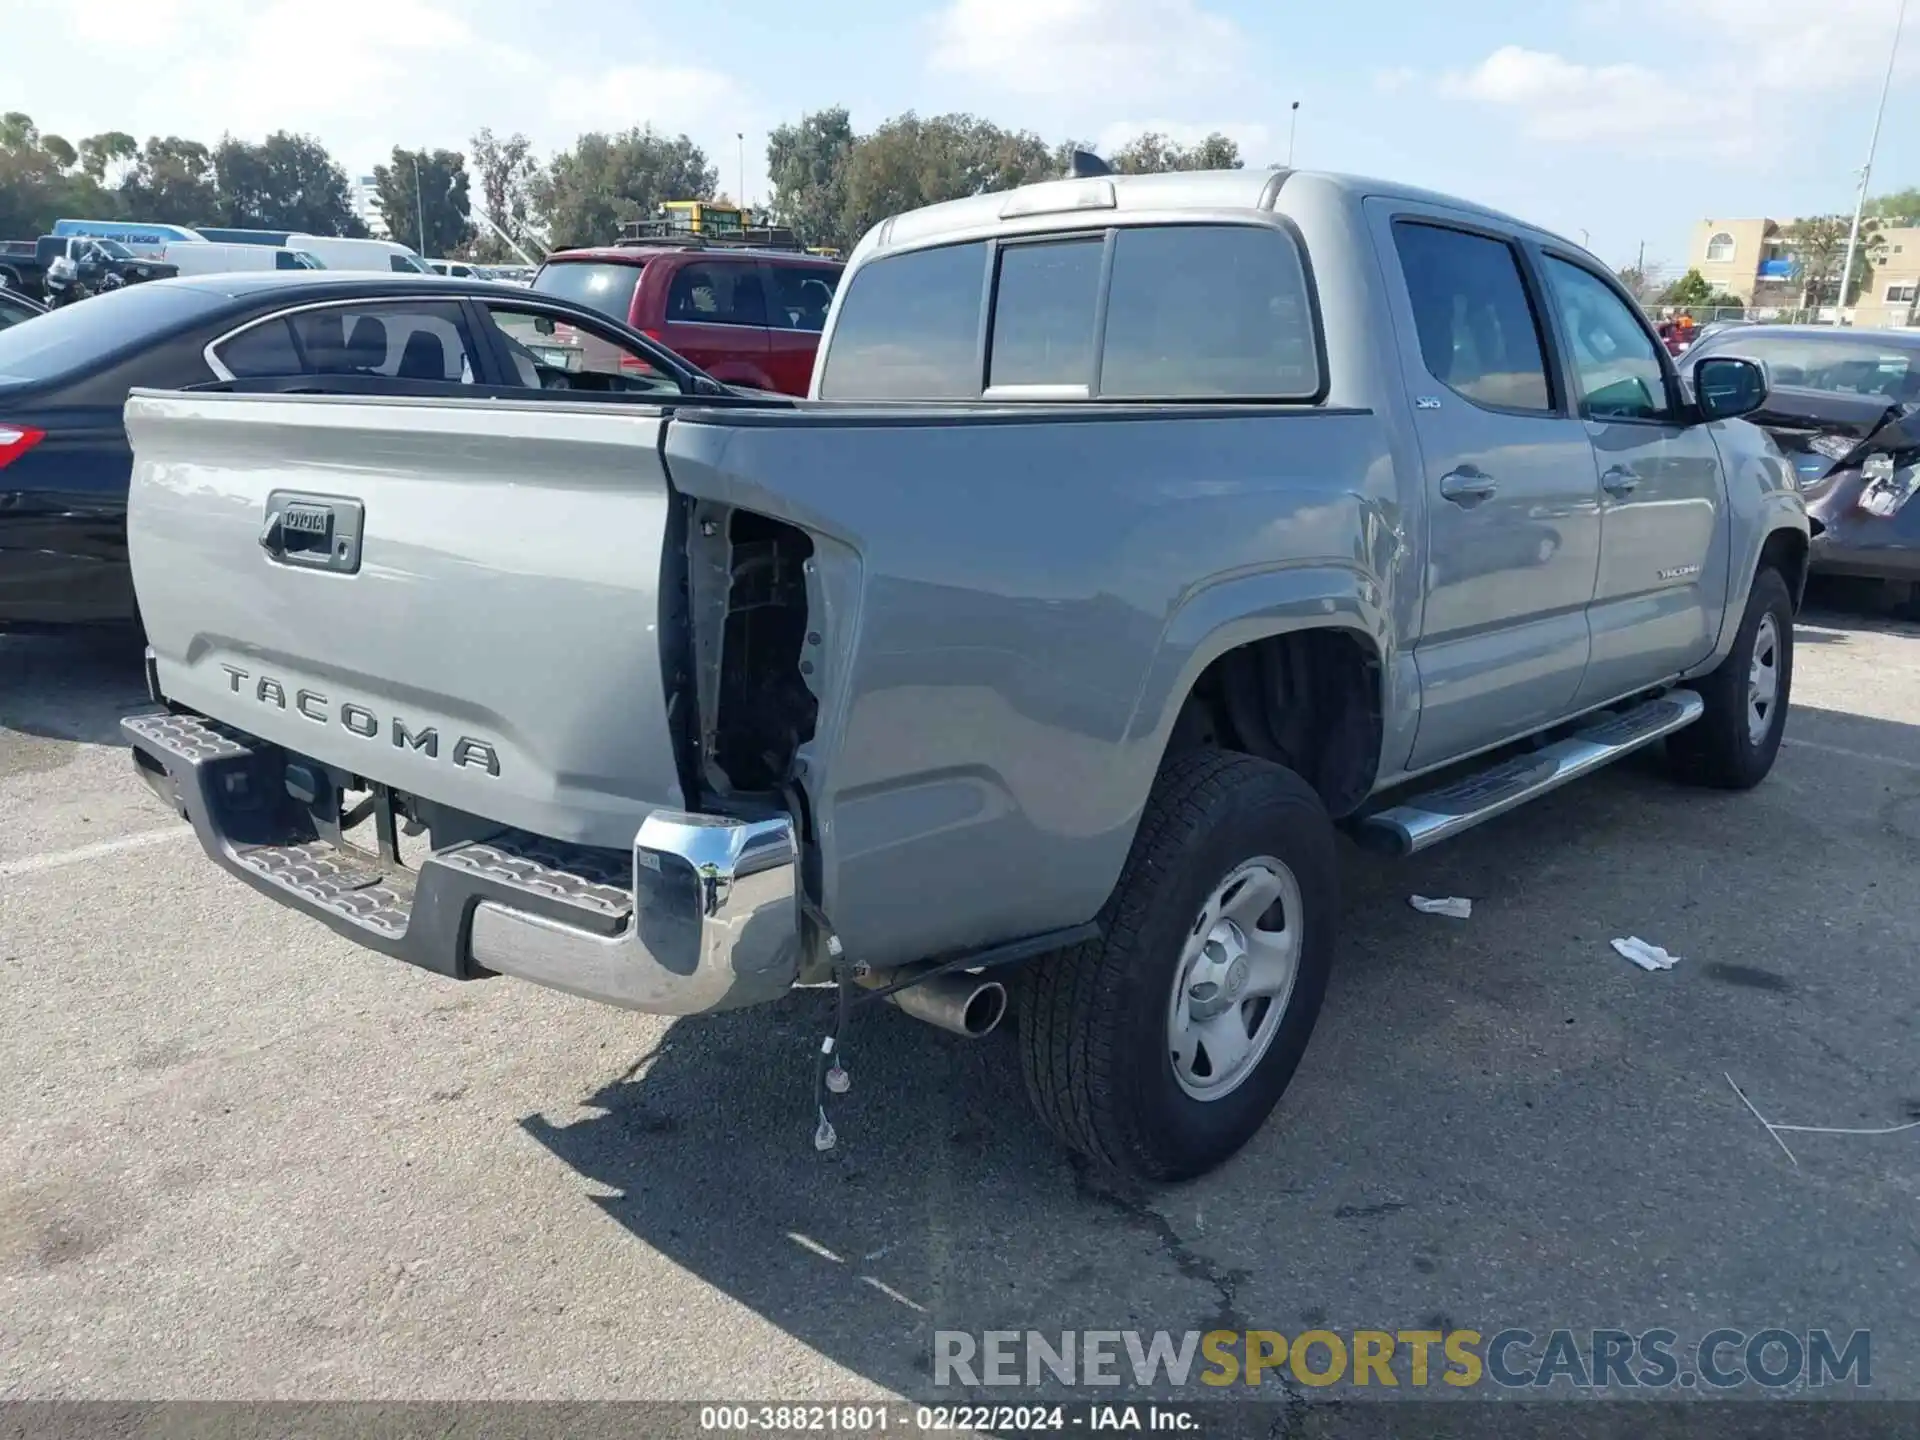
(64, 378)
(1844, 406)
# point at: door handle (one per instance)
(1467, 485)
(1619, 482)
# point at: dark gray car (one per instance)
(1845, 407)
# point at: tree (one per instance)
(42, 179)
(909, 162)
(172, 180)
(1818, 246)
(506, 172)
(807, 164)
(1638, 282)
(110, 148)
(1153, 153)
(588, 192)
(1900, 207)
(287, 182)
(437, 204)
(1692, 292)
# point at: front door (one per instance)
(1513, 528)
(1663, 526)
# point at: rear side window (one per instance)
(1208, 312)
(405, 341)
(606, 288)
(1043, 313)
(62, 341)
(1478, 334)
(716, 295)
(801, 296)
(909, 328)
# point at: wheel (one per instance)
(1733, 744)
(1160, 1048)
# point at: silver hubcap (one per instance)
(1235, 977)
(1763, 679)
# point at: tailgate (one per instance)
(458, 599)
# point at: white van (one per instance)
(337, 253)
(209, 257)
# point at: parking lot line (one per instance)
(33, 864)
(1844, 752)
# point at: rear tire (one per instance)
(1733, 745)
(1115, 1045)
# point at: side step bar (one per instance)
(1438, 815)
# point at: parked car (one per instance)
(64, 380)
(23, 263)
(461, 269)
(15, 307)
(1138, 529)
(748, 317)
(202, 257)
(1844, 405)
(339, 253)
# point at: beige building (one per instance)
(1749, 258)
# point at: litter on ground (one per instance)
(1456, 907)
(1645, 955)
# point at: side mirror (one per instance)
(1725, 387)
(543, 324)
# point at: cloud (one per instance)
(1129, 50)
(361, 75)
(1737, 69)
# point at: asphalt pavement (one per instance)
(242, 1158)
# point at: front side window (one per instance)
(1208, 312)
(1478, 336)
(552, 353)
(717, 294)
(1043, 314)
(1617, 362)
(420, 340)
(909, 328)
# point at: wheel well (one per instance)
(1309, 700)
(1786, 551)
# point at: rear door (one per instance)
(1663, 528)
(798, 297)
(1513, 529)
(716, 316)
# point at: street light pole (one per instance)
(741, 136)
(1866, 171)
(420, 208)
(1293, 126)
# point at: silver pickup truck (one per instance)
(1138, 533)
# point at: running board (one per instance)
(1438, 815)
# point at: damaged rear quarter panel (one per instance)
(1014, 604)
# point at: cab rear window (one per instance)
(602, 287)
(1192, 312)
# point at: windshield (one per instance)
(114, 250)
(1839, 365)
(603, 287)
(410, 262)
(62, 340)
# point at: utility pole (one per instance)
(1866, 171)
(1293, 127)
(741, 136)
(420, 208)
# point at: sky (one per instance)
(1622, 122)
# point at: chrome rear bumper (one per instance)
(703, 913)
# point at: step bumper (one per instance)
(702, 914)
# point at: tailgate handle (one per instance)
(313, 532)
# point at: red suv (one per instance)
(748, 317)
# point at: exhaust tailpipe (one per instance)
(965, 1005)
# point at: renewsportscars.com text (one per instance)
(1513, 1358)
